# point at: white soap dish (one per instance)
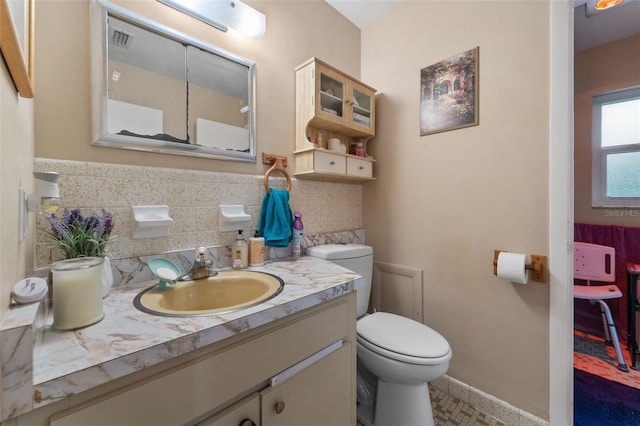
(232, 218)
(150, 221)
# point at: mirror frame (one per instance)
(17, 49)
(100, 10)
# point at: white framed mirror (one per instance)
(159, 90)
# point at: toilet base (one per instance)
(399, 404)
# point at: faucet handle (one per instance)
(200, 253)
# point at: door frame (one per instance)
(561, 213)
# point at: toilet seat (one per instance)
(402, 339)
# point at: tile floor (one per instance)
(593, 356)
(450, 411)
(457, 404)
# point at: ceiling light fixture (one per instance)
(223, 14)
(596, 6)
(606, 4)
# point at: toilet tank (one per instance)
(355, 257)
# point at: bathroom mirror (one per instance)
(157, 89)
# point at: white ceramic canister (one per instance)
(77, 292)
(334, 144)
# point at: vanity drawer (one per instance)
(360, 168)
(330, 163)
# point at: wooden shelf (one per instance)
(334, 177)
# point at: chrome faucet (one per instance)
(202, 268)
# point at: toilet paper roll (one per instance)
(511, 266)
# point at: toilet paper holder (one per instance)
(538, 266)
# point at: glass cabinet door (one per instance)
(361, 108)
(332, 93)
(342, 104)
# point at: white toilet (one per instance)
(397, 356)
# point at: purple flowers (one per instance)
(79, 235)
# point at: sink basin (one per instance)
(225, 292)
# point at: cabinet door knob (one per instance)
(361, 167)
(247, 422)
(333, 163)
(279, 407)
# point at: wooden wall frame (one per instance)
(449, 93)
(19, 60)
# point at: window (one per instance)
(616, 149)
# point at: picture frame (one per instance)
(449, 93)
(16, 43)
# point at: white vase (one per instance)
(107, 277)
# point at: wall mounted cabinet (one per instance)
(332, 105)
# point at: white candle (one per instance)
(77, 293)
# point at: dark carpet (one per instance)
(602, 402)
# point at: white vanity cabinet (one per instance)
(243, 413)
(317, 396)
(228, 383)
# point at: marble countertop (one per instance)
(128, 340)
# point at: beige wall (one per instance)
(600, 69)
(62, 37)
(444, 202)
(16, 165)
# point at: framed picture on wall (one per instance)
(16, 42)
(449, 93)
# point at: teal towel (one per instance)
(276, 219)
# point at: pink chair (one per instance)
(594, 262)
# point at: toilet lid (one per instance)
(402, 336)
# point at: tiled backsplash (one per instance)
(193, 197)
(134, 269)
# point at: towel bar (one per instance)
(279, 163)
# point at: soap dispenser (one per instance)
(239, 252)
(297, 234)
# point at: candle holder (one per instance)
(77, 292)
